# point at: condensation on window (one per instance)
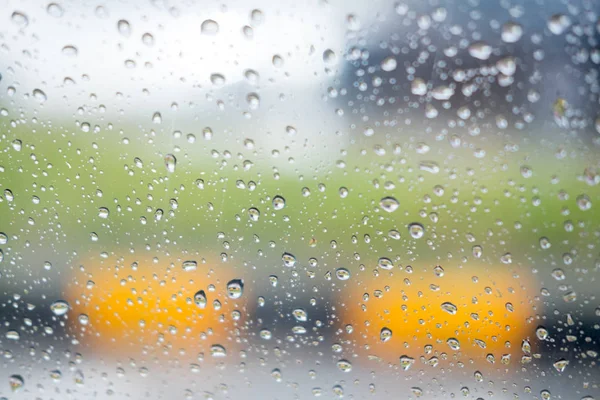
(287, 200)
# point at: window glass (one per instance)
(280, 199)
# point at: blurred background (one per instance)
(215, 200)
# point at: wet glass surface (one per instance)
(275, 200)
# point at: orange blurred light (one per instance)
(492, 308)
(150, 308)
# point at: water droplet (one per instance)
(344, 365)
(389, 204)
(278, 203)
(449, 308)
(511, 32)
(265, 334)
(54, 10)
(418, 87)
(276, 374)
(170, 162)
(453, 343)
(545, 243)
(3, 238)
(442, 92)
(235, 288)
(480, 50)
(406, 362)
(189, 265)
(17, 144)
(289, 260)
(148, 39)
(253, 101)
(200, 299)
(507, 65)
(583, 202)
(558, 23)
(545, 395)
(300, 314)
(209, 27)
(124, 28)
(55, 375)
(416, 230)
(277, 61)
(218, 351)
(257, 17)
(561, 364)
(103, 212)
(253, 214)
(16, 382)
(558, 274)
(70, 51)
(8, 194)
(385, 263)
(506, 258)
(39, 95)
(329, 57)
(13, 335)
(342, 274)
(217, 79)
(389, 64)
(274, 280)
(385, 334)
(59, 307)
(541, 333)
(20, 19)
(83, 319)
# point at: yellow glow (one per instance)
(151, 308)
(412, 308)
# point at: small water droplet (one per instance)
(124, 28)
(511, 32)
(418, 87)
(218, 351)
(16, 382)
(344, 365)
(235, 288)
(148, 39)
(39, 95)
(209, 27)
(20, 19)
(406, 362)
(289, 260)
(329, 57)
(300, 314)
(342, 274)
(558, 23)
(389, 204)
(103, 212)
(253, 214)
(170, 162)
(59, 307)
(561, 364)
(541, 333)
(385, 263)
(480, 50)
(389, 64)
(416, 230)
(583, 202)
(54, 10)
(189, 265)
(385, 334)
(449, 308)
(200, 299)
